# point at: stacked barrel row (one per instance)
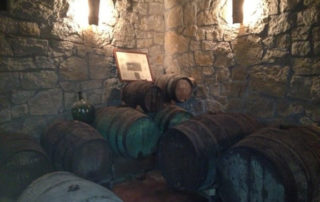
(242, 159)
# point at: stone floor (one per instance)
(152, 188)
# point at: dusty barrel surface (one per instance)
(175, 87)
(188, 152)
(143, 93)
(77, 147)
(272, 164)
(22, 160)
(171, 115)
(129, 132)
(65, 186)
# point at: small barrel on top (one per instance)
(175, 87)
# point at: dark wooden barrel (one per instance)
(22, 160)
(175, 87)
(64, 186)
(188, 152)
(129, 132)
(143, 93)
(79, 148)
(169, 116)
(272, 165)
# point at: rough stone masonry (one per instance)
(270, 70)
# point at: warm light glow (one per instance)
(252, 11)
(79, 12)
(106, 12)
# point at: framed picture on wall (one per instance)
(132, 65)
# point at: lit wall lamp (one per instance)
(94, 12)
(237, 11)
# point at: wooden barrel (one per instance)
(188, 152)
(22, 160)
(169, 116)
(175, 87)
(143, 93)
(129, 132)
(272, 165)
(77, 147)
(65, 186)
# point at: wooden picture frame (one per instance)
(132, 65)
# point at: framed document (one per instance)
(132, 65)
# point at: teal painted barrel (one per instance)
(22, 160)
(65, 186)
(129, 132)
(188, 152)
(169, 116)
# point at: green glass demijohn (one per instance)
(82, 110)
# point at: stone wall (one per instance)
(270, 69)
(46, 57)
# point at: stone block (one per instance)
(275, 54)
(248, 50)
(99, 66)
(273, 7)
(309, 16)
(269, 80)
(259, 107)
(301, 48)
(286, 5)
(171, 3)
(5, 115)
(315, 88)
(305, 66)
(144, 43)
(152, 23)
(70, 86)
(186, 60)
(39, 80)
(8, 25)
(316, 47)
(74, 68)
(29, 29)
(190, 13)
(207, 17)
(158, 38)
(69, 99)
(5, 48)
(175, 43)
(9, 82)
(279, 24)
(29, 46)
(43, 62)
(155, 8)
(19, 97)
(17, 64)
(46, 102)
(300, 33)
(316, 34)
(204, 58)
(18, 111)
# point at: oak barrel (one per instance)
(171, 115)
(272, 165)
(77, 147)
(129, 132)
(22, 160)
(64, 186)
(143, 93)
(175, 87)
(188, 152)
